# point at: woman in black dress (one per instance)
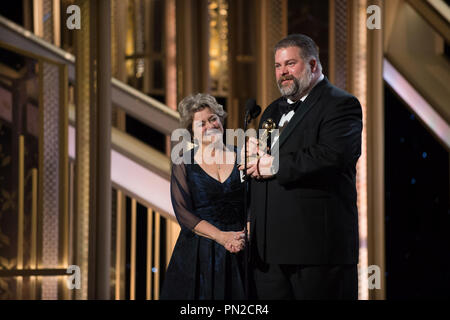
(207, 197)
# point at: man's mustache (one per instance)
(285, 78)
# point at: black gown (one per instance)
(200, 268)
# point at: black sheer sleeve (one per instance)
(181, 198)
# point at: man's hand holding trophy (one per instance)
(260, 162)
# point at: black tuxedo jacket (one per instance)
(307, 213)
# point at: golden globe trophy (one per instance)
(265, 139)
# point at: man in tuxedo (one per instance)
(304, 221)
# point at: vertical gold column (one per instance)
(50, 150)
(133, 251)
(357, 84)
(120, 246)
(375, 152)
(57, 22)
(171, 50)
(20, 222)
(139, 42)
(157, 255)
(171, 76)
(243, 66)
(119, 10)
(27, 14)
(173, 230)
(82, 184)
(338, 42)
(120, 36)
(203, 42)
(114, 44)
(183, 14)
(38, 17)
(118, 243)
(149, 7)
(118, 40)
(34, 230)
(347, 65)
(130, 45)
(149, 253)
(40, 214)
(102, 152)
(71, 222)
(171, 60)
(272, 28)
(48, 19)
(331, 40)
(63, 237)
(192, 31)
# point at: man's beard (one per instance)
(298, 85)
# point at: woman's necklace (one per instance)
(220, 162)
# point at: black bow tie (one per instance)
(286, 107)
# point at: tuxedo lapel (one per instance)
(309, 102)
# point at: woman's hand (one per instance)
(233, 241)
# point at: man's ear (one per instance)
(313, 65)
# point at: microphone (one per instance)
(252, 110)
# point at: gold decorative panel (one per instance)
(218, 46)
(49, 176)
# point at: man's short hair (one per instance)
(309, 48)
